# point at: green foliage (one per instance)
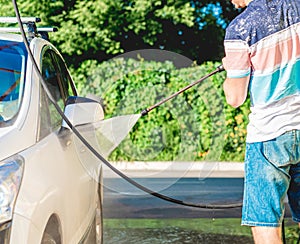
(292, 234)
(104, 28)
(100, 29)
(107, 28)
(195, 125)
(48, 11)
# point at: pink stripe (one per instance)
(281, 54)
(236, 60)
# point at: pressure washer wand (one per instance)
(147, 110)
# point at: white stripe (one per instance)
(235, 45)
(269, 121)
(238, 73)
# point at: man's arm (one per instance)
(236, 90)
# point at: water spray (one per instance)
(147, 110)
(97, 154)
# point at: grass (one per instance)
(221, 226)
(228, 226)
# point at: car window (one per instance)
(12, 72)
(67, 83)
(60, 85)
(46, 123)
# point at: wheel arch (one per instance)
(53, 230)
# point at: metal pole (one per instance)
(147, 110)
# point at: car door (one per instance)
(74, 188)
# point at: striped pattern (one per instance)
(264, 41)
(271, 52)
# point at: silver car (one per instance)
(50, 184)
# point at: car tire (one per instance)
(52, 232)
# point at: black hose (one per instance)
(83, 140)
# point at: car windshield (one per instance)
(12, 72)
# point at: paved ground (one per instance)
(122, 200)
(177, 169)
(120, 195)
(188, 181)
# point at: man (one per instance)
(262, 47)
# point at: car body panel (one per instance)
(47, 192)
(55, 181)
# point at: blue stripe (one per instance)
(237, 75)
(275, 86)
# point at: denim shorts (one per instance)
(272, 172)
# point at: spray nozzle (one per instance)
(144, 112)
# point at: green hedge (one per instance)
(196, 125)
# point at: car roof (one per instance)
(11, 37)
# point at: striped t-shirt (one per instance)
(264, 41)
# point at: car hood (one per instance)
(13, 141)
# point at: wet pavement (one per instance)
(169, 222)
(122, 200)
(134, 217)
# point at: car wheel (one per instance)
(52, 232)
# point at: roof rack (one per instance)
(30, 27)
(39, 29)
(24, 20)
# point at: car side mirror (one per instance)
(81, 111)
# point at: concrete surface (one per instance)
(177, 169)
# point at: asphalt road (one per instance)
(122, 200)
